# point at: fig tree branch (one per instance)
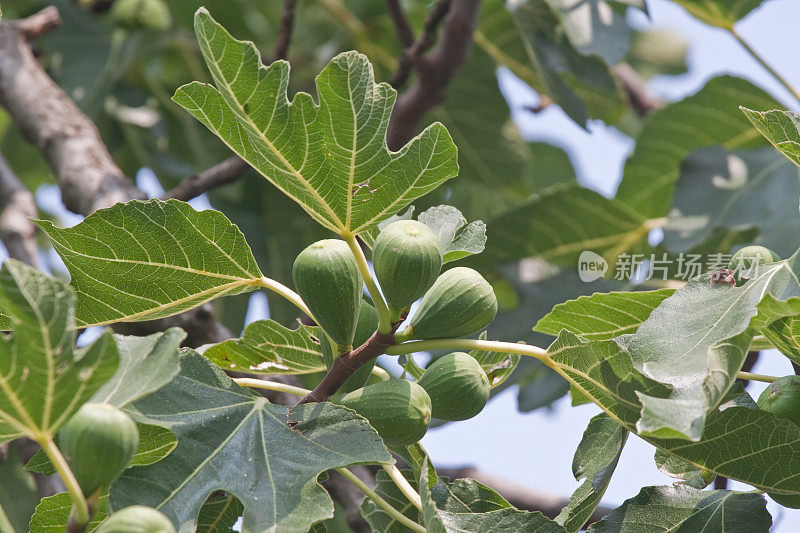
(17, 208)
(414, 50)
(434, 70)
(70, 143)
(345, 366)
(401, 26)
(220, 174)
(285, 31)
(88, 177)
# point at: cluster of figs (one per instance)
(407, 258)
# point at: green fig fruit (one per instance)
(457, 385)
(460, 302)
(407, 258)
(399, 410)
(98, 442)
(141, 15)
(327, 278)
(747, 260)
(136, 519)
(782, 398)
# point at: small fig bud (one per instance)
(782, 398)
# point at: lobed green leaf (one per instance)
(232, 440)
(44, 379)
(330, 157)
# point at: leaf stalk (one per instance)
(78, 499)
(384, 322)
(380, 502)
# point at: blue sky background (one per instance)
(536, 449)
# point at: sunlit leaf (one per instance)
(267, 347)
(145, 260)
(329, 157)
(595, 459)
(602, 316)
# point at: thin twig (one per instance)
(17, 230)
(641, 98)
(755, 55)
(220, 174)
(39, 23)
(401, 26)
(435, 70)
(413, 52)
(285, 32)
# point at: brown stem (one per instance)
(220, 174)
(345, 366)
(285, 32)
(435, 71)
(412, 52)
(404, 32)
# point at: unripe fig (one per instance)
(97, 442)
(747, 260)
(399, 410)
(136, 519)
(327, 278)
(459, 303)
(141, 14)
(407, 258)
(457, 385)
(782, 398)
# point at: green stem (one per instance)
(760, 342)
(286, 292)
(384, 324)
(61, 466)
(381, 373)
(271, 385)
(380, 502)
(5, 523)
(468, 344)
(402, 483)
(755, 55)
(756, 377)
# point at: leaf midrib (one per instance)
(269, 144)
